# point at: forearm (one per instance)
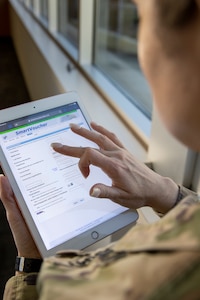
(21, 287)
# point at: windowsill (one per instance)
(72, 50)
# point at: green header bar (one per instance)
(36, 122)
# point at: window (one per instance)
(68, 20)
(44, 10)
(32, 3)
(115, 51)
(100, 38)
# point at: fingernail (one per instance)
(74, 126)
(56, 145)
(94, 123)
(96, 192)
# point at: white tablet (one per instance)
(52, 193)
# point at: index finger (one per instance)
(68, 150)
(107, 133)
(103, 138)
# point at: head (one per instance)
(169, 53)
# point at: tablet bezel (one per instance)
(86, 238)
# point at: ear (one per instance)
(176, 14)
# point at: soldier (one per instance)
(158, 261)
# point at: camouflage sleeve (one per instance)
(21, 287)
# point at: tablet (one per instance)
(50, 189)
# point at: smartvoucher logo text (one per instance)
(31, 128)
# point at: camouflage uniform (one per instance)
(157, 261)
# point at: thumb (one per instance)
(6, 193)
(8, 199)
(103, 191)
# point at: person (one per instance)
(156, 261)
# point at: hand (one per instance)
(25, 245)
(133, 184)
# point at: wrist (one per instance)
(34, 254)
(166, 196)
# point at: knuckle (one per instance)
(88, 151)
(101, 139)
(113, 136)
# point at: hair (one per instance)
(176, 13)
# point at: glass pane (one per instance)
(68, 20)
(44, 9)
(115, 51)
(31, 3)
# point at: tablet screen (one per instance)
(55, 192)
